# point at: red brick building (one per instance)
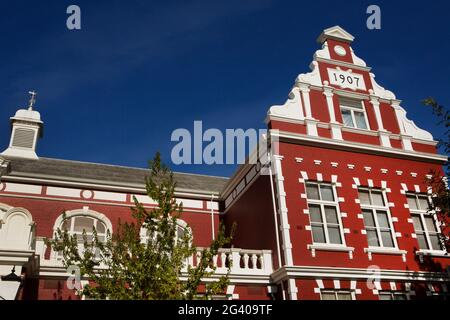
(345, 215)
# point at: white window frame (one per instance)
(373, 209)
(70, 215)
(336, 292)
(394, 293)
(352, 113)
(322, 204)
(422, 213)
(180, 224)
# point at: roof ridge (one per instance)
(128, 167)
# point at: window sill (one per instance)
(432, 253)
(392, 251)
(367, 132)
(328, 247)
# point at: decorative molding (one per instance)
(356, 60)
(312, 78)
(335, 33)
(323, 53)
(357, 274)
(291, 109)
(379, 91)
(407, 126)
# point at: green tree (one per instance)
(126, 267)
(438, 180)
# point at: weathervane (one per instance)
(32, 100)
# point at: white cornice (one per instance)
(352, 146)
(348, 129)
(344, 64)
(114, 204)
(336, 33)
(356, 273)
(99, 185)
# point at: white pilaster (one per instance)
(328, 93)
(376, 107)
(305, 89)
(311, 127)
(283, 211)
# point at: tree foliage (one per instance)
(126, 267)
(438, 181)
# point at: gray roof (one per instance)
(106, 174)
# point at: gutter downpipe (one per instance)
(276, 219)
(212, 217)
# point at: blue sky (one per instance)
(114, 91)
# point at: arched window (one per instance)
(181, 229)
(84, 220)
(16, 228)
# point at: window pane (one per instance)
(423, 203)
(79, 237)
(429, 222)
(386, 237)
(314, 213)
(101, 227)
(372, 238)
(312, 191)
(347, 118)
(331, 215)
(327, 193)
(83, 223)
(383, 221)
(180, 232)
(360, 120)
(352, 103)
(385, 296)
(344, 296)
(364, 196)
(66, 225)
(417, 223)
(334, 235)
(377, 198)
(368, 218)
(399, 297)
(318, 234)
(412, 203)
(422, 241)
(328, 296)
(435, 242)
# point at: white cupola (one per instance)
(26, 129)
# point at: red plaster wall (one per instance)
(420, 147)
(347, 58)
(319, 108)
(389, 118)
(251, 292)
(253, 214)
(300, 237)
(45, 212)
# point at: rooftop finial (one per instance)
(32, 99)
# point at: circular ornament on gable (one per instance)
(340, 51)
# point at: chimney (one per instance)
(26, 129)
